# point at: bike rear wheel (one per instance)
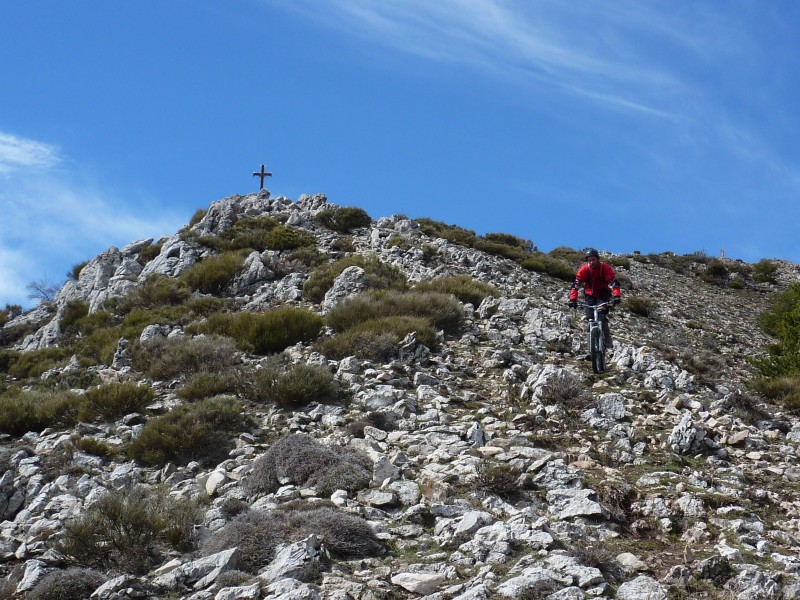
(596, 350)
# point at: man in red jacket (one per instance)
(599, 283)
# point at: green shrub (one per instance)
(123, 527)
(514, 253)
(157, 290)
(452, 233)
(70, 584)
(205, 385)
(441, 310)
(621, 261)
(9, 312)
(36, 362)
(200, 431)
(197, 216)
(783, 389)
(509, 240)
(304, 461)
(34, 410)
(267, 332)
(378, 339)
(379, 275)
(289, 385)
(558, 268)
(765, 271)
(463, 287)
(114, 400)
(344, 535)
(716, 272)
(782, 320)
(499, 478)
(212, 275)
(249, 232)
(286, 237)
(167, 357)
(73, 312)
(148, 253)
(93, 446)
(75, 272)
(641, 306)
(343, 219)
(7, 358)
(565, 391)
(298, 260)
(567, 254)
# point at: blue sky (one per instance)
(625, 125)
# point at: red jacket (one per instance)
(595, 281)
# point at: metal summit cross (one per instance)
(262, 174)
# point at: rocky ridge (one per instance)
(657, 486)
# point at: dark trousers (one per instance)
(601, 297)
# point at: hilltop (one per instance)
(289, 399)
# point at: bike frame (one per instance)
(595, 338)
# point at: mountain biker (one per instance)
(599, 283)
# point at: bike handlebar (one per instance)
(602, 304)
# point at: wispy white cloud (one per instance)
(20, 153)
(50, 223)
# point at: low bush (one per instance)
(378, 274)
(555, 267)
(443, 311)
(257, 534)
(9, 312)
(288, 385)
(93, 446)
(124, 529)
(620, 261)
(499, 478)
(34, 410)
(197, 216)
(567, 254)
(73, 312)
(565, 391)
(716, 272)
(765, 271)
(267, 332)
(148, 253)
(206, 385)
(167, 357)
(157, 290)
(783, 389)
(509, 240)
(250, 233)
(343, 219)
(378, 339)
(299, 260)
(212, 275)
(641, 306)
(380, 420)
(69, 584)
(36, 362)
(286, 237)
(304, 461)
(75, 272)
(463, 287)
(114, 400)
(452, 233)
(200, 431)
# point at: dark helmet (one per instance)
(592, 252)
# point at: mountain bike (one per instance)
(595, 337)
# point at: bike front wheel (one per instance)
(596, 349)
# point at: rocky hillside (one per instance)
(160, 441)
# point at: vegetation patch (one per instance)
(301, 459)
(214, 274)
(288, 385)
(378, 339)
(257, 534)
(343, 219)
(378, 275)
(166, 357)
(68, 584)
(34, 410)
(114, 400)
(200, 431)
(267, 332)
(442, 311)
(641, 306)
(206, 385)
(467, 289)
(125, 529)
